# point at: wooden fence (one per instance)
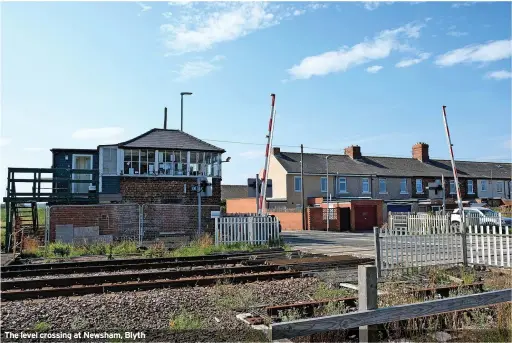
(251, 230)
(367, 316)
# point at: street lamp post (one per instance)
(182, 94)
(327, 190)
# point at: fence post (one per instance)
(378, 262)
(216, 231)
(367, 289)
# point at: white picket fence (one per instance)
(412, 241)
(398, 250)
(419, 223)
(251, 230)
(489, 245)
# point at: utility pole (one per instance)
(182, 94)
(199, 229)
(257, 193)
(301, 185)
(327, 191)
(457, 188)
(444, 194)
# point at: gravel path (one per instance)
(151, 311)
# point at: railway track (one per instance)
(159, 263)
(139, 286)
(307, 308)
(79, 278)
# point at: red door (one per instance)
(366, 217)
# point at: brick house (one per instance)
(158, 166)
(372, 186)
(151, 179)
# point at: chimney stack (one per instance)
(354, 151)
(420, 151)
(276, 151)
(165, 118)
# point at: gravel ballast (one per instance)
(152, 311)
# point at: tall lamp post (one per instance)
(327, 217)
(182, 94)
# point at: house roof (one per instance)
(234, 191)
(391, 166)
(169, 139)
(91, 151)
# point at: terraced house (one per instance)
(376, 185)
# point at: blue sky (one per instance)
(373, 74)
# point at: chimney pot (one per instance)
(276, 151)
(165, 118)
(354, 151)
(420, 151)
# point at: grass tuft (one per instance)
(185, 321)
(42, 327)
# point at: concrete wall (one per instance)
(392, 188)
(312, 188)
(277, 174)
(290, 221)
(492, 189)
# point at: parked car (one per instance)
(479, 216)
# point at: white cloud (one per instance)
(487, 52)
(341, 60)
(4, 141)
(499, 75)
(143, 7)
(410, 62)
(374, 69)
(167, 15)
(199, 68)
(456, 33)
(462, 4)
(251, 154)
(200, 26)
(104, 134)
(373, 5)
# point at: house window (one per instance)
(470, 187)
(342, 185)
(323, 184)
(147, 162)
(403, 186)
(298, 183)
(166, 162)
(499, 186)
(109, 161)
(131, 162)
(382, 186)
(196, 166)
(483, 185)
(452, 186)
(419, 186)
(366, 185)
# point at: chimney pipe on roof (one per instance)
(165, 118)
(420, 151)
(354, 151)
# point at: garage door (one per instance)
(366, 217)
(399, 208)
